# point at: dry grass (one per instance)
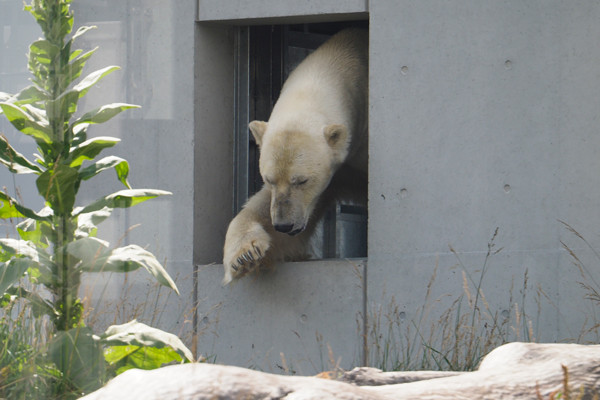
(458, 337)
(462, 334)
(587, 282)
(141, 298)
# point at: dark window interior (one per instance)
(273, 51)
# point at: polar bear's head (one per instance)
(297, 166)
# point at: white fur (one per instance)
(313, 151)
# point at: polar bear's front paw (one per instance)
(244, 252)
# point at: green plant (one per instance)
(58, 243)
(23, 373)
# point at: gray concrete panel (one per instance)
(213, 145)
(493, 109)
(306, 313)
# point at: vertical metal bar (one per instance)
(329, 247)
(241, 115)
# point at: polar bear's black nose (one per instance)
(283, 228)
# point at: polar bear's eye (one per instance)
(299, 181)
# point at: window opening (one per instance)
(265, 56)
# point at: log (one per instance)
(512, 371)
(365, 376)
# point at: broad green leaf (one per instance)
(120, 165)
(104, 113)
(10, 208)
(92, 251)
(28, 230)
(92, 79)
(78, 355)
(14, 160)
(43, 52)
(76, 66)
(26, 123)
(123, 199)
(66, 104)
(11, 271)
(137, 334)
(74, 54)
(37, 232)
(65, 56)
(122, 170)
(29, 95)
(38, 114)
(79, 134)
(66, 23)
(62, 107)
(39, 305)
(89, 149)
(21, 248)
(87, 223)
(133, 256)
(59, 187)
(26, 252)
(95, 257)
(82, 30)
(128, 357)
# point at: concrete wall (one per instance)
(494, 109)
(302, 317)
(483, 117)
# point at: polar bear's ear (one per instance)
(258, 129)
(336, 136)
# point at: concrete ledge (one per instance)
(280, 11)
(304, 313)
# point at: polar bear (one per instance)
(313, 151)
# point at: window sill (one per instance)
(326, 268)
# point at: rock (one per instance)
(512, 371)
(208, 381)
(365, 376)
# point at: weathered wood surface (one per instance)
(365, 376)
(512, 371)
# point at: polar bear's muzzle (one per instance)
(288, 228)
(287, 213)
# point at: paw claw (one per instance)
(245, 253)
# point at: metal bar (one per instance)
(241, 111)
